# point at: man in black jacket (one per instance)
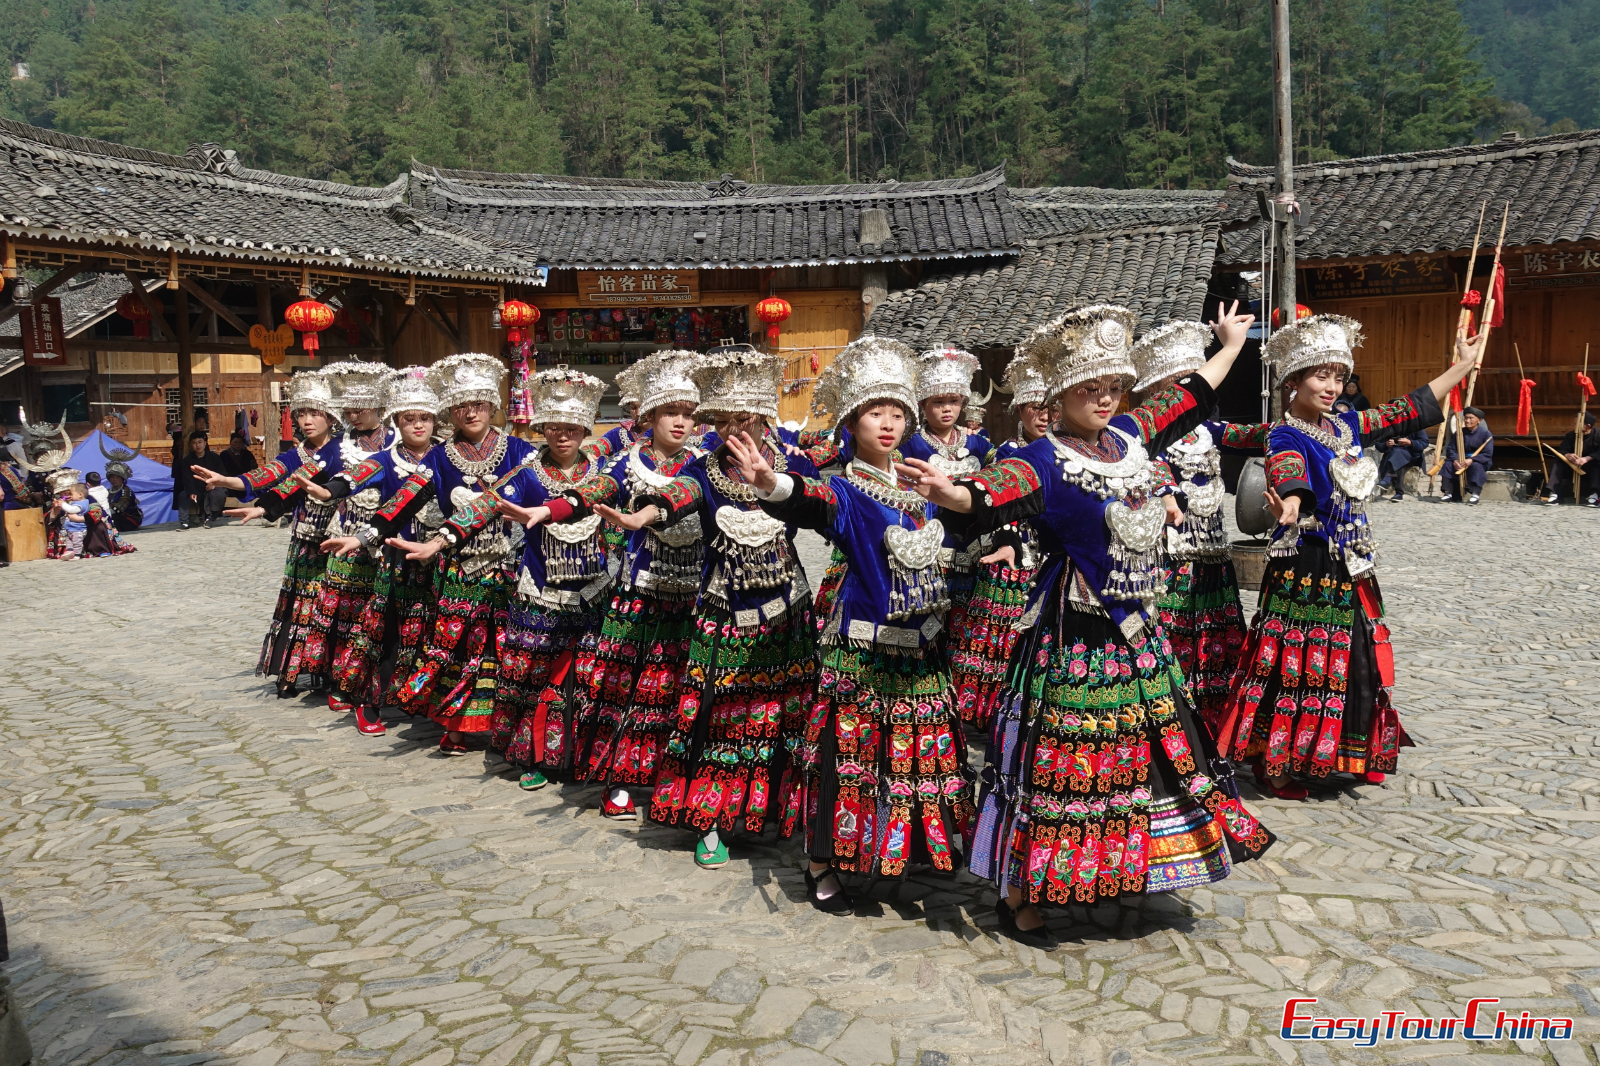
(1585, 454)
(193, 494)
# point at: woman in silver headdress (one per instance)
(1312, 691)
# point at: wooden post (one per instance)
(463, 331)
(185, 366)
(269, 410)
(1284, 267)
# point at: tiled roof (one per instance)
(1151, 251)
(620, 222)
(1428, 201)
(204, 203)
(88, 299)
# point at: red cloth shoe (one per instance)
(624, 813)
(1373, 777)
(1289, 790)
(337, 705)
(451, 747)
(372, 726)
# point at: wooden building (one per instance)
(1388, 241)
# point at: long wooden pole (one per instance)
(1538, 445)
(1463, 320)
(1583, 403)
(1484, 328)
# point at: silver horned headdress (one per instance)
(468, 377)
(1088, 342)
(310, 390)
(355, 385)
(945, 371)
(1023, 380)
(407, 389)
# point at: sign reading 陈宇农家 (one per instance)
(619, 288)
(1397, 277)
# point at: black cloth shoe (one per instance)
(838, 903)
(1040, 938)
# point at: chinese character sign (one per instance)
(624, 287)
(1395, 277)
(44, 338)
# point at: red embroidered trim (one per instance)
(1005, 482)
(407, 492)
(1161, 410)
(262, 476)
(1388, 414)
(1245, 435)
(1285, 466)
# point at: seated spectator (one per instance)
(1399, 456)
(69, 521)
(1353, 395)
(195, 497)
(1581, 454)
(238, 460)
(1473, 468)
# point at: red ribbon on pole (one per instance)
(1472, 298)
(1499, 317)
(1525, 407)
(1586, 383)
(1455, 397)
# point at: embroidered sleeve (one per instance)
(281, 498)
(677, 500)
(263, 476)
(812, 504)
(1174, 411)
(811, 438)
(1286, 472)
(1398, 418)
(1165, 484)
(1005, 492)
(824, 453)
(397, 511)
(1242, 438)
(601, 489)
(363, 475)
(14, 482)
(472, 516)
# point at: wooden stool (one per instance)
(25, 535)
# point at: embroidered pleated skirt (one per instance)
(293, 646)
(546, 659)
(394, 620)
(454, 676)
(1312, 689)
(1201, 615)
(981, 638)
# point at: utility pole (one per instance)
(1283, 268)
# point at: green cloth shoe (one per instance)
(710, 859)
(533, 780)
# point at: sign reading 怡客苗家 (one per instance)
(1399, 277)
(44, 338)
(619, 288)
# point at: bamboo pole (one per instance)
(1538, 445)
(1432, 466)
(1483, 331)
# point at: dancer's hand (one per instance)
(214, 480)
(315, 491)
(1285, 509)
(416, 552)
(753, 466)
(1174, 512)
(245, 514)
(934, 485)
(1232, 328)
(528, 516)
(1005, 555)
(341, 546)
(637, 520)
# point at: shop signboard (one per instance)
(623, 288)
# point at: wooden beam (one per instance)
(463, 329)
(185, 366)
(440, 321)
(348, 302)
(55, 281)
(158, 319)
(194, 289)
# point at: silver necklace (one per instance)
(1337, 445)
(554, 487)
(738, 491)
(870, 481)
(479, 469)
(957, 449)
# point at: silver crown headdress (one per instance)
(1170, 351)
(1315, 341)
(739, 380)
(945, 371)
(1087, 342)
(62, 479)
(407, 389)
(310, 390)
(561, 394)
(355, 385)
(659, 378)
(868, 368)
(1023, 380)
(468, 377)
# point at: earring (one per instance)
(1292, 394)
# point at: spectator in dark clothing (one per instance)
(1353, 395)
(179, 447)
(195, 496)
(1585, 455)
(238, 460)
(1473, 468)
(1398, 456)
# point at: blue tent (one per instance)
(151, 481)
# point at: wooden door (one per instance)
(824, 321)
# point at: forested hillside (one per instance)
(1114, 92)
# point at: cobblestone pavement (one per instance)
(196, 872)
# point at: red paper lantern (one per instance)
(519, 318)
(346, 320)
(310, 318)
(773, 310)
(134, 310)
(1300, 311)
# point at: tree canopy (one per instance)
(1121, 93)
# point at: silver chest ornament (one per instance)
(753, 542)
(916, 580)
(1132, 515)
